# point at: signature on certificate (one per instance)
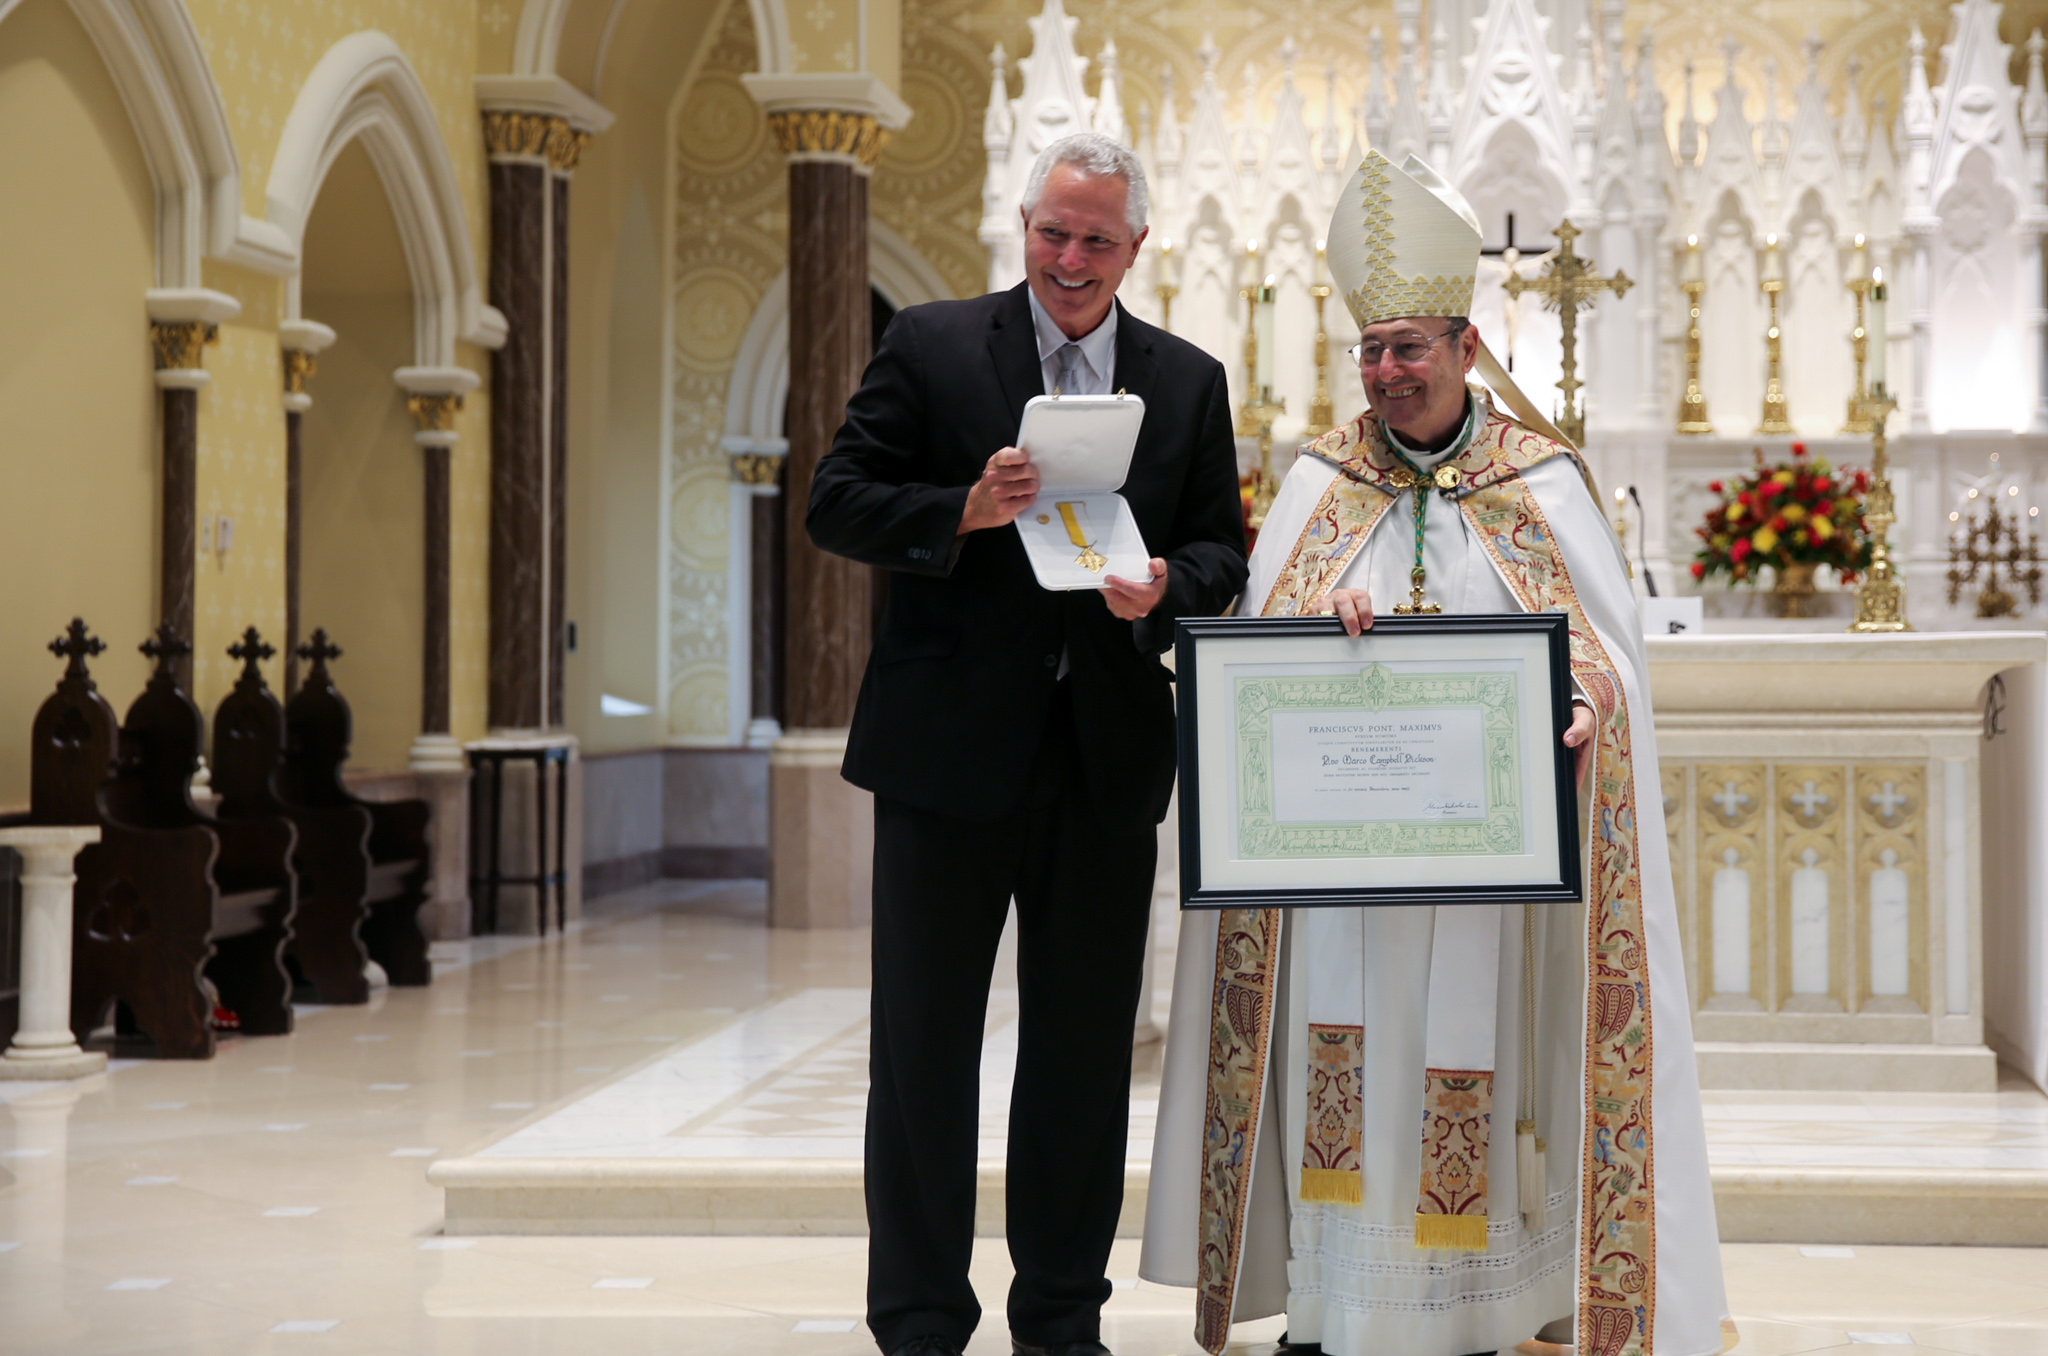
(1442, 808)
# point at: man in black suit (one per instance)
(1019, 742)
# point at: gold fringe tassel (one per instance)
(1332, 1186)
(1459, 1233)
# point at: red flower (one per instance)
(1714, 486)
(1740, 551)
(1699, 569)
(1824, 509)
(1778, 525)
(1799, 449)
(1821, 484)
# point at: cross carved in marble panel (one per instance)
(1731, 802)
(1888, 801)
(1810, 801)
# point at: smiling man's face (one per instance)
(1078, 245)
(1414, 373)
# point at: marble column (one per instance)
(821, 829)
(183, 321)
(532, 157)
(44, 1046)
(434, 397)
(302, 341)
(759, 470)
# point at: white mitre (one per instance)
(1403, 242)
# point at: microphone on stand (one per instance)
(1649, 580)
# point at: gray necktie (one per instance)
(1072, 369)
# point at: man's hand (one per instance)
(1352, 606)
(1128, 601)
(1580, 737)
(1007, 486)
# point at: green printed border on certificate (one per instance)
(1248, 688)
(1376, 688)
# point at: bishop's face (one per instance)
(1078, 244)
(1414, 373)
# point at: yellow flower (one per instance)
(1735, 511)
(1822, 529)
(1765, 540)
(1793, 513)
(1783, 477)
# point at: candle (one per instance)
(1322, 247)
(1878, 295)
(1166, 262)
(1774, 270)
(1265, 336)
(1860, 270)
(1695, 269)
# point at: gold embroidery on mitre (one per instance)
(1387, 229)
(1390, 298)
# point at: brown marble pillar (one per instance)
(761, 473)
(821, 831)
(180, 372)
(532, 156)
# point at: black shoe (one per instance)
(1020, 1347)
(928, 1345)
(1287, 1348)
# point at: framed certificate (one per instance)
(1420, 763)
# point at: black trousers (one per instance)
(942, 891)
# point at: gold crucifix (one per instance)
(1568, 286)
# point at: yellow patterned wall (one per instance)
(730, 223)
(241, 477)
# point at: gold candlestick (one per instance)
(1264, 486)
(1166, 291)
(1322, 415)
(1880, 598)
(1692, 407)
(1256, 415)
(1975, 554)
(1247, 420)
(1859, 349)
(1774, 420)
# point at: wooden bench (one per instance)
(318, 731)
(332, 858)
(174, 912)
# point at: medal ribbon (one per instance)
(1088, 559)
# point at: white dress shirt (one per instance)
(1098, 352)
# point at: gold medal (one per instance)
(1088, 559)
(1446, 476)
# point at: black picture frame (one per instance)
(1191, 634)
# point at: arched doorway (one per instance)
(363, 523)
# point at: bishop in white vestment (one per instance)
(1439, 1131)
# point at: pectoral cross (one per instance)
(1568, 286)
(1415, 607)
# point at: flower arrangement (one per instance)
(1801, 513)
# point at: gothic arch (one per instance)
(152, 53)
(364, 87)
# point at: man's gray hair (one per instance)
(1093, 153)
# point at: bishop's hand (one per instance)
(1580, 738)
(1352, 606)
(1008, 485)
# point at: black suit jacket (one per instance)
(963, 668)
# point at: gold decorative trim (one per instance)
(1385, 294)
(435, 413)
(857, 136)
(299, 364)
(526, 135)
(180, 345)
(757, 468)
(565, 146)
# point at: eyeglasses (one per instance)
(1408, 350)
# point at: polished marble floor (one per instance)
(274, 1198)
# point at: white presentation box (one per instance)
(1673, 616)
(1082, 448)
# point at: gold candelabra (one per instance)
(1880, 598)
(1774, 421)
(1975, 553)
(1692, 407)
(1165, 291)
(1322, 415)
(1260, 408)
